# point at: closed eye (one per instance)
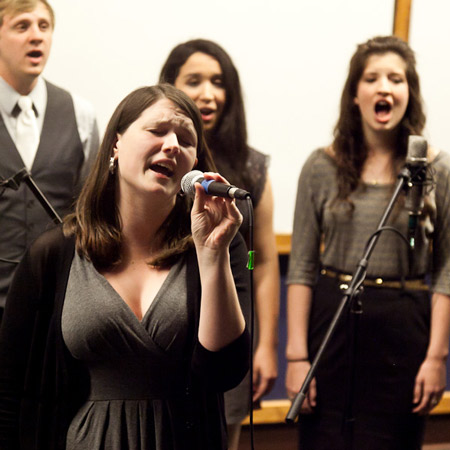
(397, 80)
(157, 132)
(186, 140)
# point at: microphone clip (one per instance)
(14, 181)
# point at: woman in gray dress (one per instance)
(372, 394)
(123, 328)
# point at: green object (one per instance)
(251, 260)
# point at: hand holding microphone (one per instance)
(215, 218)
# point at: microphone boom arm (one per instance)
(24, 175)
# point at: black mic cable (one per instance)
(220, 189)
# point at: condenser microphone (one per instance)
(211, 187)
(416, 163)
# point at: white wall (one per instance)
(292, 56)
(429, 36)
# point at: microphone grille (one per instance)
(188, 181)
(417, 149)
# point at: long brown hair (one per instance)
(348, 145)
(228, 140)
(96, 221)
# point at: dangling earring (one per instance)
(112, 165)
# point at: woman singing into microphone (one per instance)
(124, 327)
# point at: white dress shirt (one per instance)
(84, 115)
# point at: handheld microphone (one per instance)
(211, 187)
(416, 163)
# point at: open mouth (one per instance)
(162, 168)
(207, 113)
(383, 108)
(35, 54)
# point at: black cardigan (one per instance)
(42, 386)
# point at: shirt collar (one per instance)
(9, 97)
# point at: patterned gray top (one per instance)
(344, 235)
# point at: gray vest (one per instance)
(56, 170)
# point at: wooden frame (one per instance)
(402, 15)
(275, 411)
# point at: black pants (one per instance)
(365, 379)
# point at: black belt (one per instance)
(417, 284)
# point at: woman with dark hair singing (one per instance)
(398, 361)
(205, 72)
(123, 328)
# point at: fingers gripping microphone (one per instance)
(416, 163)
(211, 187)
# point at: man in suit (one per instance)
(64, 137)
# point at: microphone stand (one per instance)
(14, 183)
(23, 175)
(353, 290)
